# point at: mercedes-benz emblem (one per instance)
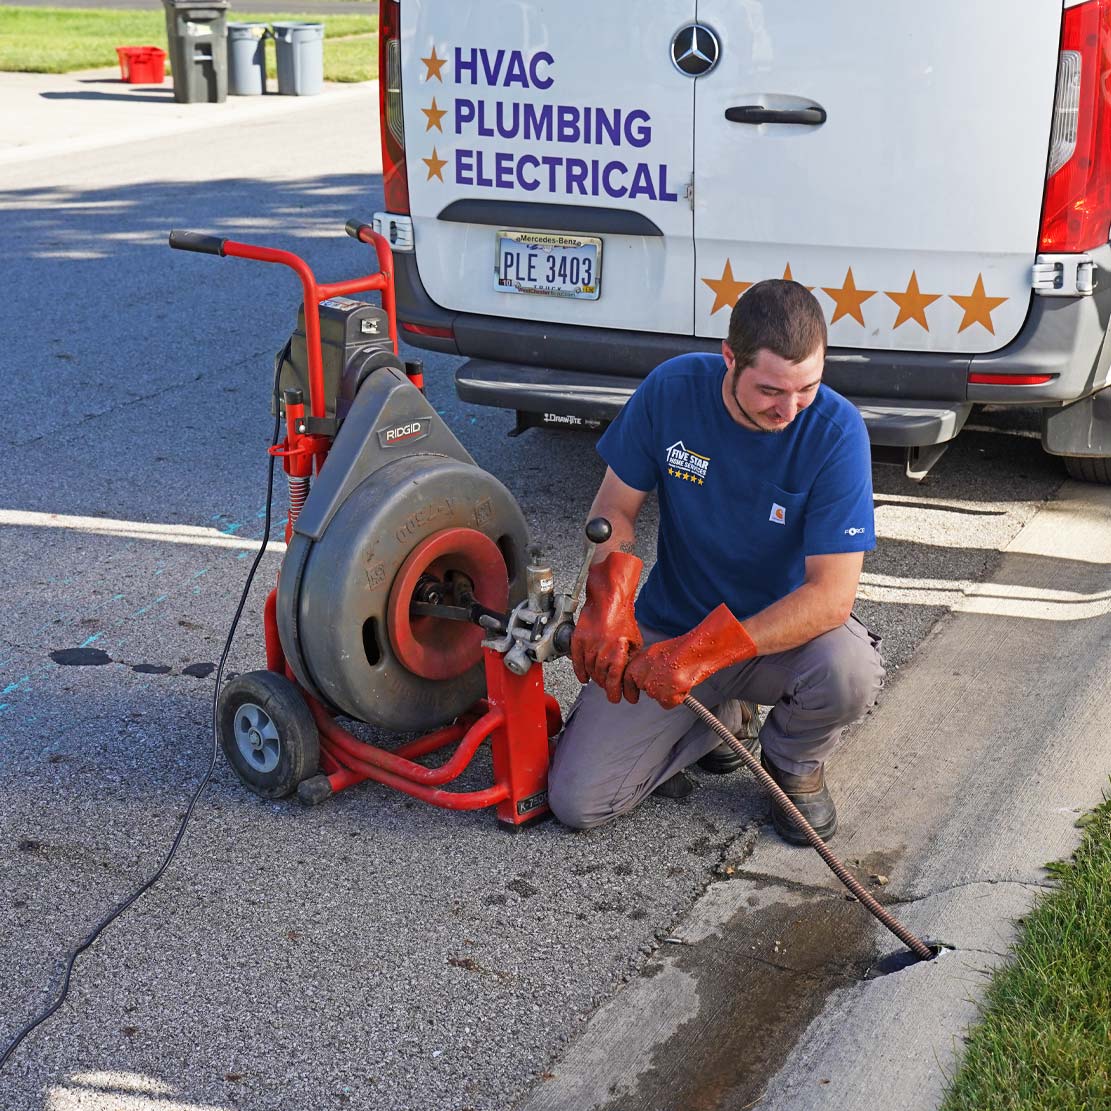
(695, 49)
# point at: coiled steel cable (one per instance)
(915, 944)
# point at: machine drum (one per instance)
(343, 619)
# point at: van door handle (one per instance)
(757, 113)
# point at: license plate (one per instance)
(548, 263)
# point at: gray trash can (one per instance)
(300, 48)
(247, 58)
(198, 35)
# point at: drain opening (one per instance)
(904, 958)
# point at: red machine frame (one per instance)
(518, 716)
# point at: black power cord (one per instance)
(109, 918)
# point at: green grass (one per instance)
(354, 58)
(60, 40)
(1044, 1040)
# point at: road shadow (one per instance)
(167, 97)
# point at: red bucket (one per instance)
(142, 65)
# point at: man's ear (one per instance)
(727, 355)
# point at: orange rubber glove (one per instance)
(667, 671)
(606, 631)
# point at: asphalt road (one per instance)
(371, 953)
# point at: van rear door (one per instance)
(558, 116)
(889, 154)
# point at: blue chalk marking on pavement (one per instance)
(16, 685)
(227, 529)
(150, 605)
(91, 640)
(202, 571)
(242, 555)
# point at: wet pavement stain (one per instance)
(151, 669)
(80, 657)
(199, 671)
(760, 983)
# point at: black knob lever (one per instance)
(598, 530)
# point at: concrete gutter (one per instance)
(953, 795)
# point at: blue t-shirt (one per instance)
(740, 510)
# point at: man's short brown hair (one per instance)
(782, 316)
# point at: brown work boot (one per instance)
(723, 759)
(810, 794)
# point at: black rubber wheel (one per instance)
(1089, 468)
(267, 733)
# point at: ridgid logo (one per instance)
(686, 465)
(405, 433)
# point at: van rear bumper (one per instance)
(599, 397)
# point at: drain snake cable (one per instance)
(109, 918)
(915, 944)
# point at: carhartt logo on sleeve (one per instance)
(778, 514)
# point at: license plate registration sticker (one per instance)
(548, 263)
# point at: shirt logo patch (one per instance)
(778, 514)
(687, 465)
(854, 531)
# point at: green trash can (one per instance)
(197, 31)
(247, 58)
(300, 48)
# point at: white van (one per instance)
(577, 190)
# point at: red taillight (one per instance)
(1010, 379)
(427, 330)
(1077, 211)
(389, 107)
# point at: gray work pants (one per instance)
(610, 757)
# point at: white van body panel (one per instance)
(583, 55)
(923, 189)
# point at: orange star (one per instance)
(789, 277)
(913, 303)
(978, 306)
(726, 288)
(434, 115)
(435, 166)
(433, 66)
(848, 299)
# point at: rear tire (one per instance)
(1092, 468)
(268, 733)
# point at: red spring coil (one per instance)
(298, 492)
